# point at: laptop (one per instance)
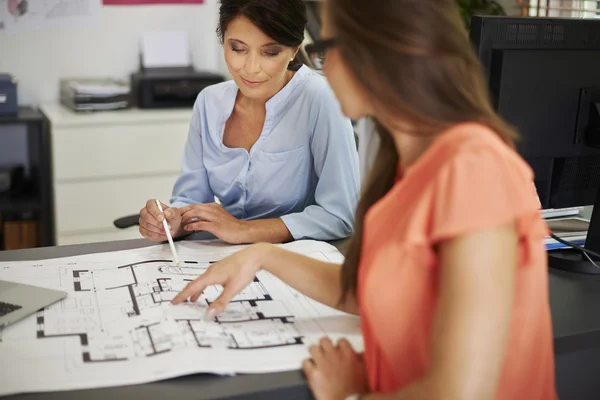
(18, 300)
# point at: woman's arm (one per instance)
(315, 279)
(335, 161)
(192, 186)
(271, 230)
(471, 325)
(213, 218)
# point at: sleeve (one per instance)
(482, 189)
(335, 161)
(192, 186)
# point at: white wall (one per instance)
(110, 48)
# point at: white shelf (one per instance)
(63, 117)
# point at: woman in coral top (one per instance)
(447, 266)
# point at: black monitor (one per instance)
(544, 77)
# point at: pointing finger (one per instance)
(229, 292)
(194, 287)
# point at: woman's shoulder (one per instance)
(314, 85)
(317, 97)
(461, 154)
(473, 139)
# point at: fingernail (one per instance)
(160, 218)
(170, 227)
(209, 314)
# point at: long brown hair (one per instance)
(414, 60)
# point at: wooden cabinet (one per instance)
(107, 164)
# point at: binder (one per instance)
(29, 234)
(20, 234)
(12, 235)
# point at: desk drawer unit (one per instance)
(107, 164)
(117, 151)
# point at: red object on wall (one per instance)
(134, 2)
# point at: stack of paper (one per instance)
(572, 229)
(561, 212)
(94, 94)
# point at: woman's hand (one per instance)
(335, 372)
(215, 219)
(151, 226)
(234, 273)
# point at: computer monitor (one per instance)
(544, 77)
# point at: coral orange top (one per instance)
(468, 179)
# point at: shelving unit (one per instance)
(19, 204)
(37, 199)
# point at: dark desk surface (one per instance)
(575, 305)
(574, 301)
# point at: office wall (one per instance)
(38, 59)
(110, 48)
(510, 7)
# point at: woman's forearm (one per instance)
(315, 279)
(265, 230)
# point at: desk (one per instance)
(575, 306)
(574, 301)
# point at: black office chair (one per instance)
(128, 221)
(134, 219)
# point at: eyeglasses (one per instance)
(316, 51)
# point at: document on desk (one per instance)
(117, 325)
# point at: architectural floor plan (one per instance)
(117, 325)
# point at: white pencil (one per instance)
(168, 231)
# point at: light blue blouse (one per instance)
(303, 168)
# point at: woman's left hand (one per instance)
(215, 219)
(335, 372)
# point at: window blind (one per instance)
(560, 8)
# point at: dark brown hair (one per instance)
(282, 20)
(414, 60)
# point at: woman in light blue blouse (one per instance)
(270, 156)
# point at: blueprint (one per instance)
(118, 327)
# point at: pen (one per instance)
(168, 231)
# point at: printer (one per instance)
(167, 78)
(170, 87)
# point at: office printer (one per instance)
(170, 86)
